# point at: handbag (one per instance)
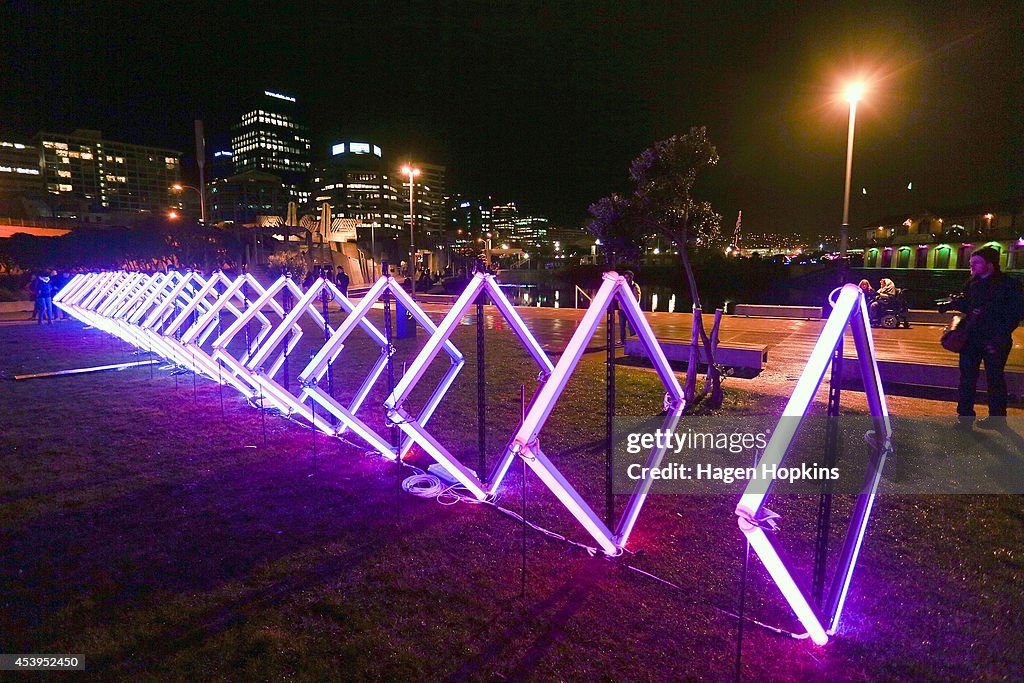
(954, 337)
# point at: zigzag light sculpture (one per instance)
(347, 416)
(73, 286)
(526, 441)
(202, 320)
(247, 369)
(151, 322)
(848, 310)
(480, 487)
(270, 352)
(118, 292)
(106, 288)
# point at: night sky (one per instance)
(546, 102)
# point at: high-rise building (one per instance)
(467, 218)
(503, 218)
(241, 198)
(358, 184)
(529, 231)
(428, 199)
(270, 138)
(113, 175)
(19, 167)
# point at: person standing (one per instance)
(342, 281)
(993, 305)
(44, 297)
(625, 329)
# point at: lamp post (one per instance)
(178, 187)
(854, 92)
(411, 172)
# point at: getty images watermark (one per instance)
(687, 440)
(720, 455)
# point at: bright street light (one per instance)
(178, 187)
(411, 172)
(854, 92)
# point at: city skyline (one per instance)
(546, 105)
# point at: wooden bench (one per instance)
(733, 354)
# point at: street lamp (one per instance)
(411, 172)
(853, 93)
(178, 187)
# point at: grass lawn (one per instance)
(161, 536)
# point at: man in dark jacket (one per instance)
(994, 306)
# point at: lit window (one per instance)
(65, 188)
(64, 174)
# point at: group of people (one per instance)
(44, 285)
(993, 307)
(339, 277)
(878, 298)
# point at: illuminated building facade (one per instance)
(428, 199)
(467, 219)
(271, 139)
(358, 184)
(19, 167)
(503, 217)
(529, 232)
(945, 242)
(114, 175)
(241, 198)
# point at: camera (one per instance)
(953, 302)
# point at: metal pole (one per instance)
(609, 499)
(845, 230)
(833, 445)
(412, 238)
(481, 388)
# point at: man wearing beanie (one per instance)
(994, 305)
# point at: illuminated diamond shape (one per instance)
(126, 315)
(237, 354)
(108, 290)
(201, 322)
(526, 441)
(413, 426)
(153, 322)
(347, 415)
(849, 309)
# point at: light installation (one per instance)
(347, 415)
(204, 319)
(526, 443)
(266, 303)
(481, 283)
(849, 310)
(179, 316)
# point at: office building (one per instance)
(19, 167)
(358, 184)
(270, 138)
(239, 199)
(503, 217)
(529, 232)
(114, 176)
(467, 219)
(428, 200)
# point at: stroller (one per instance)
(890, 312)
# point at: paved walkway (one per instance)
(788, 341)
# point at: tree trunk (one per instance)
(713, 376)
